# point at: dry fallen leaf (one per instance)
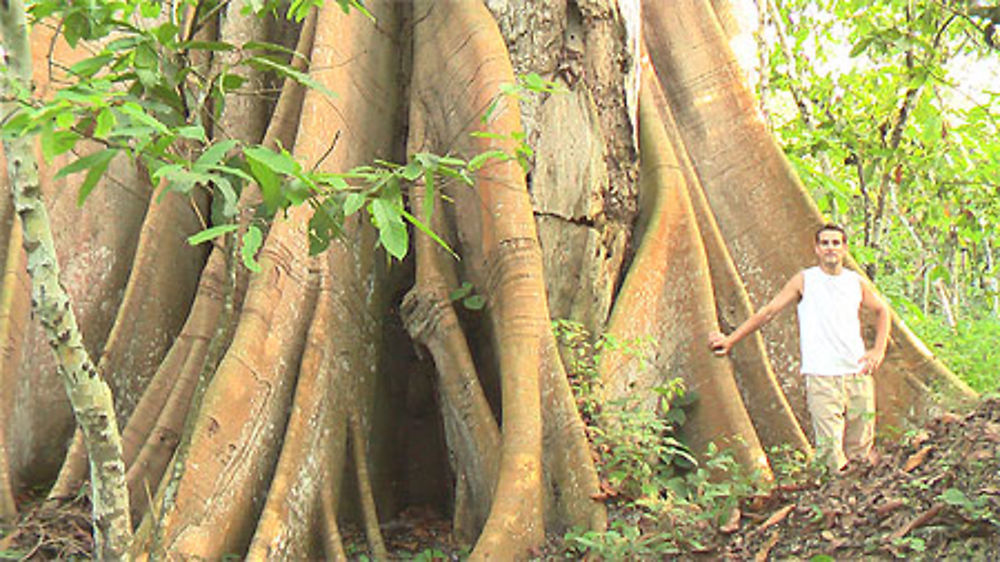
(777, 517)
(916, 459)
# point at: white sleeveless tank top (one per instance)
(829, 325)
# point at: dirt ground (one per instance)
(932, 495)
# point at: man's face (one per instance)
(831, 248)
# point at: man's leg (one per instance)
(859, 430)
(826, 400)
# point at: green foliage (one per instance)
(297, 10)
(897, 143)
(637, 448)
(970, 349)
(939, 177)
(470, 299)
(144, 95)
(915, 545)
(663, 501)
(976, 508)
(429, 555)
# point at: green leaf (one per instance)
(353, 202)
(426, 160)
(289, 72)
(180, 178)
(474, 302)
(325, 224)
(231, 82)
(86, 162)
(252, 241)
(74, 26)
(861, 46)
(211, 233)
(486, 135)
(280, 163)
(88, 67)
(214, 153)
(65, 119)
(193, 132)
(124, 44)
(450, 161)
(272, 47)
(480, 159)
(229, 197)
(58, 142)
(391, 228)
(955, 497)
(461, 292)
(345, 5)
(411, 171)
(166, 33)
(269, 183)
(138, 114)
(535, 83)
(297, 191)
(149, 9)
(428, 199)
(94, 174)
(146, 58)
(104, 123)
(426, 230)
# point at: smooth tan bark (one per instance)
(313, 448)
(224, 479)
(157, 297)
(667, 296)
(772, 415)
(496, 218)
(337, 375)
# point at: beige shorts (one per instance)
(842, 408)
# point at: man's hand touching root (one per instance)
(719, 343)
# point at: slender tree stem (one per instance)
(89, 394)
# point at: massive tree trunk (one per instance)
(352, 388)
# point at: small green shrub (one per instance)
(662, 500)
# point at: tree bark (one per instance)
(89, 394)
(660, 225)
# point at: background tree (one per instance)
(322, 403)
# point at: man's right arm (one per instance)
(790, 293)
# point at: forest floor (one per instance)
(932, 494)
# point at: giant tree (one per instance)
(643, 196)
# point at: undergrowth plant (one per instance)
(969, 349)
(662, 500)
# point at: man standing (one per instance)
(840, 393)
